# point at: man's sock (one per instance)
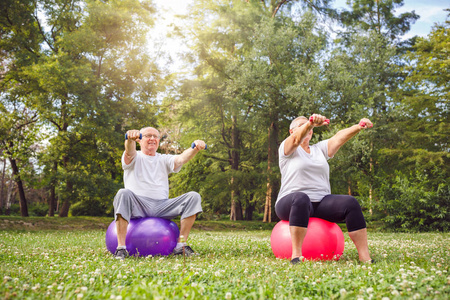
(121, 247)
(180, 245)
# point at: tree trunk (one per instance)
(64, 211)
(18, 180)
(10, 196)
(3, 185)
(236, 207)
(370, 186)
(52, 198)
(249, 212)
(272, 159)
(349, 186)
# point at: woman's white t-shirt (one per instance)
(148, 176)
(305, 172)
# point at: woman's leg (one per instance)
(296, 209)
(359, 238)
(339, 208)
(297, 236)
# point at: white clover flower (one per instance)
(343, 292)
(228, 295)
(84, 289)
(395, 293)
(79, 296)
(385, 298)
(369, 290)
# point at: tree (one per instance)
(18, 135)
(251, 70)
(83, 65)
(218, 51)
(379, 16)
(417, 165)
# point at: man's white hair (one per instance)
(149, 127)
(296, 122)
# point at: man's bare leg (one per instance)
(121, 227)
(185, 227)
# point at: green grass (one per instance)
(238, 264)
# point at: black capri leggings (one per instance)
(297, 208)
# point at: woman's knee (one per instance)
(352, 204)
(301, 200)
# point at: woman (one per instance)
(305, 186)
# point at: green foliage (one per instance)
(89, 208)
(87, 78)
(39, 209)
(379, 16)
(413, 203)
(14, 210)
(75, 75)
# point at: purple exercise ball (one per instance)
(146, 236)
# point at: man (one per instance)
(146, 192)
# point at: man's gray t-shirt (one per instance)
(305, 172)
(148, 176)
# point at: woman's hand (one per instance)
(365, 123)
(318, 120)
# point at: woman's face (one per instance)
(309, 134)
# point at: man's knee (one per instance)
(195, 197)
(122, 195)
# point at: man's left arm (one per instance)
(188, 154)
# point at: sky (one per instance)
(430, 12)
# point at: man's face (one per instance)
(150, 140)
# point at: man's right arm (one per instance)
(130, 145)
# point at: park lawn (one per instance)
(236, 264)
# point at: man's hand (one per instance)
(189, 153)
(133, 135)
(198, 145)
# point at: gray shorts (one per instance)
(132, 206)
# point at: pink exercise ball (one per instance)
(323, 241)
